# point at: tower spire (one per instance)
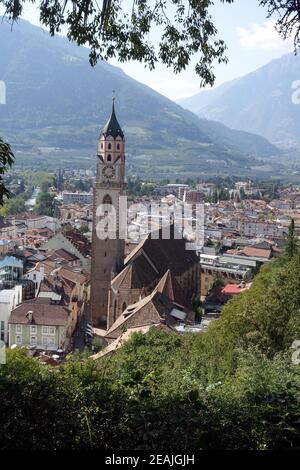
(112, 127)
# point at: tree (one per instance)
(197, 307)
(84, 228)
(122, 31)
(45, 204)
(287, 13)
(292, 244)
(6, 161)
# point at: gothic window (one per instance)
(107, 199)
(124, 306)
(109, 157)
(118, 146)
(107, 204)
(102, 146)
(109, 146)
(115, 310)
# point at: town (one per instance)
(64, 289)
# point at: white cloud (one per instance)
(262, 36)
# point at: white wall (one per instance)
(9, 299)
(37, 276)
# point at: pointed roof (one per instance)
(169, 287)
(136, 275)
(151, 310)
(112, 127)
(161, 252)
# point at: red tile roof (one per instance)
(234, 289)
(43, 313)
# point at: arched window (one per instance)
(102, 146)
(107, 204)
(109, 157)
(107, 199)
(124, 306)
(118, 146)
(109, 146)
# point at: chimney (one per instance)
(29, 315)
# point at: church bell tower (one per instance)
(108, 245)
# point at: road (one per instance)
(79, 343)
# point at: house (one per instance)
(232, 290)
(42, 324)
(253, 252)
(226, 269)
(32, 221)
(74, 243)
(36, 275)
(7, 229)
(6, 246)
(63, 257)
(11, 271)
(9, 299)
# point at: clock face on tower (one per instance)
(108, 171)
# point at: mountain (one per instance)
(56, 104)
(204, 98)
(260, 102)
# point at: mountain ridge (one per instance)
(55, 99)
(259, 102)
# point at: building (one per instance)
(150, 261)
(36, 275)
(232, 290)
(77, 198)
(74, 243)
(32, 221)
(193, 197)
(226, 270)
(9, 299)
(41, 324)
(161, 257)
(175, 189)
(11, 271)
(108, 247)
(7, 229)
(6, 246)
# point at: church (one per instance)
(156, 282)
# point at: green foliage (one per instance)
(292, 244)
(40, 179)
(234, 387)
(197, 307)
(6, 161)
(15, 205)
(287, 15)
(114, 30)
(84, 228)
(45, 204)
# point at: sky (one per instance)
(250, 37)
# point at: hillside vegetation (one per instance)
(235, 387)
